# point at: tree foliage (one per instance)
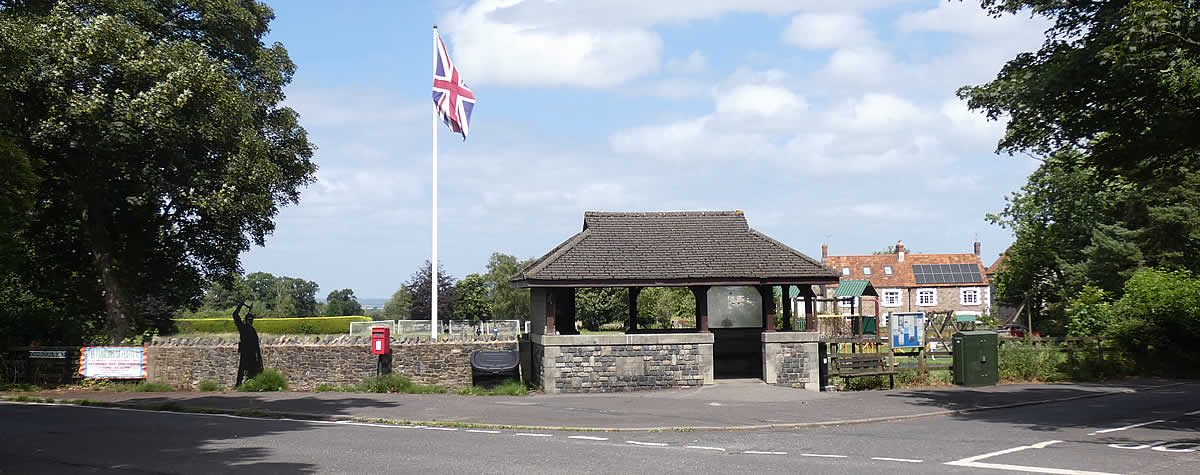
(166, 151)
(421, 284)
(342, 303)
(399, 307)
(598, 306)
(473, 302)
(1118, 80)
(658, 306)
(507, 302)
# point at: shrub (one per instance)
(1089, 313)
(151, 388)
(395, 383)
(325, 388)
(210, 385)
(510, 387)
(1026, 362)
(275, 326)
(268, 380)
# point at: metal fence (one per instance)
(447, 328)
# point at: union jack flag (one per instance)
(454, 100)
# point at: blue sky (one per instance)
(824, 121)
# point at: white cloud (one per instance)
(877, 111)
(760, 102)
(693, 63)
(828, 30)
(968, 18)
(646, 13)
(859, 65)
(519, 54)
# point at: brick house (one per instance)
(915, 282)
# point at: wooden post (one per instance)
(810, 309)
(768, 299)
(921, 360)
(549, 303)
(700, 292)
(787, 307)
(632, 324)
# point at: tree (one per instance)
(508, 302)
(659, 306)
(341, 303)
(598, 306)
(166, 150)
(473, 302)
(400, 305)
(421, 284)
(1117, 80)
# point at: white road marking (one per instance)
(533, 435)
(701, 447)
(1193, 413)
(1135, 447)
(1105, 431)
(481, 431)
(756, 452)
(586, 437)
(825, 455)
(889, 459)
(974, 462)
(1166, 447)
(648, 444)
(448, 429)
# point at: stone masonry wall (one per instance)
(311, 361)
(794, 365)
(627, 368)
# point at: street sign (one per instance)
(44, 354)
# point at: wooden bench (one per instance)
(854, 365)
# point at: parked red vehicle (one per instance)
(1016, 331)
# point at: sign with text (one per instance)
(116, 362)
(50, 355)
(908, 330)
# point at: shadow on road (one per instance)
(75, 439)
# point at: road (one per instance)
(1145, 432)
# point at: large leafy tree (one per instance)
(342, 302)
(421, 285)
(508, 302)
(473, 303)
(1118, 80)
(1111, 105)
(400, 305)
(166, 150)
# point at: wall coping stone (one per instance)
(625, 339)
(790, 337)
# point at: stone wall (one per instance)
(610, 363)
(792, 359)
(311, 361)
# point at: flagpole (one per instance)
(433, 329)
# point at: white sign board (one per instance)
(908, 330)
(116, 362)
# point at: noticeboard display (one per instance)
(115, 362)
(908, 330)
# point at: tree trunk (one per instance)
(116, 300)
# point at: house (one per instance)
(914, 282)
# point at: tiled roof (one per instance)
(995, 267)
(671, 246)
(902, 274)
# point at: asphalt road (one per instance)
(1145, 432)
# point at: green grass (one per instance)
(388, 383)
(306, 325)
(511, 387)
(269, 380)
(210, 385)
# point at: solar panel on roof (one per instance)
(946, 274)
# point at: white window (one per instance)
(887, 270)
(867, 270)
(926, 297)
(892, 298)
(969, 296)
(845, 271)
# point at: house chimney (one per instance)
(900, 251)
(977, 248)
(824, 253)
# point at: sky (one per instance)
(825, 122)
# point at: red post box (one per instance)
(381, 340)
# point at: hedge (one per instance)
(305, 325)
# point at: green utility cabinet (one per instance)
(976, 358)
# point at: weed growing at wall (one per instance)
(510, 387)
(269, 380)
(210, 385)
